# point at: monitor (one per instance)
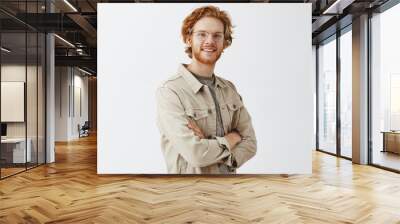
(3, 129)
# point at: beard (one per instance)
(205, 57)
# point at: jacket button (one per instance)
(209, 111)
(194, 114)
(234, 106)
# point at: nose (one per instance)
(209, 39)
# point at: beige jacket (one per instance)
(182, 97)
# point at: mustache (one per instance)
(209, 46)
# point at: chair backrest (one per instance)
(86, 124)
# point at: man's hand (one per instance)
(197, 131)
(233, 139)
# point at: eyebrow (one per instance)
(207, 31)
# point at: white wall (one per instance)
(61, 103)
(80, 84)
(269, 62)
(17, 73)
(68, 81)
(12, 101)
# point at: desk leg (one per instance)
(384, 142)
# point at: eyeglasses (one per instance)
(202, 36)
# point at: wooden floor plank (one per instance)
(70, 191)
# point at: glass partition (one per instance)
(32, 95)
(41, 109)
(22, 77)
(13, 109)
(327, 96)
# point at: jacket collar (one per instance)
(194, 84)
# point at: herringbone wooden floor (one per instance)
(70, 191)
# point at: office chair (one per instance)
(84, 130)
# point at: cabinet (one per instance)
(13, 150)
(391, 141)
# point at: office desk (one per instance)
(13, 150)
(391, 141)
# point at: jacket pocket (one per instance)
(202, 119)
(234, 106)
(197, 114)
(234, 112)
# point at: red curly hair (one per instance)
(206, 11)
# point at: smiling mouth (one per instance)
(209, 50)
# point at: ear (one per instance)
(188, 42)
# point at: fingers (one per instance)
(192, 125)
(197, 131)
(233, 139)
(199, 134)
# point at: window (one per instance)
(346, 94)
(385, 88)
(327, 97)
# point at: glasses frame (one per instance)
(219, 38)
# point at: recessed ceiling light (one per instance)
(337, 7)
(5, 50)
(64, 40)
(84, 71)
(70, 5)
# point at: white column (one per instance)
(50, 92)
(50, 100)
(360, 90)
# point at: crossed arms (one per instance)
(234, 149)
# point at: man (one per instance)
(204, 126)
